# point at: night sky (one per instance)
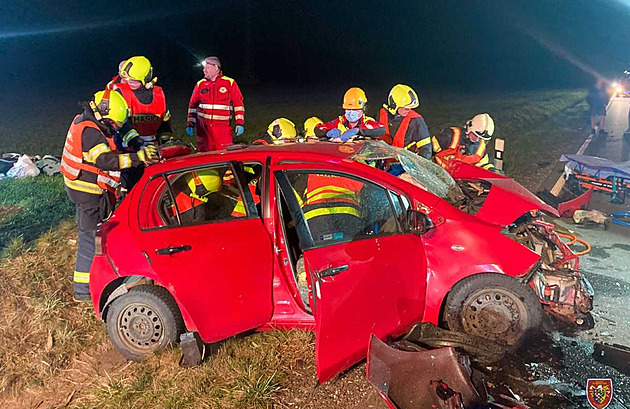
(507, 44)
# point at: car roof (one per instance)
(295, 151)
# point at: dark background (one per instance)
(472, 45)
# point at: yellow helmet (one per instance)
(203, 182)
(354, 98)
(111, 105)
(136, 68)
(310, 124)
(281, 128)
(402, 96)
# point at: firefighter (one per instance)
(332, 207)
(252, 175)
(405, 128)
(195, 198)
(89, 163)
(309, 128)
(279, 131)
(467, 144)
(353, 122)
(215, 100)
(149, 120)
(149, 113)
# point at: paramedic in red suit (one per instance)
(215, 100)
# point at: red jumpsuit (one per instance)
(211, 107)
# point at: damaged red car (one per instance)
(347, 240)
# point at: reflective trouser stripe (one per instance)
(80, 277)
(331, 210)
(82, 186)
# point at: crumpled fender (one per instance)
(437, 378)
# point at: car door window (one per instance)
(339, 208)
(194, 196)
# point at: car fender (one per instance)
(458, 248)
(123, 284)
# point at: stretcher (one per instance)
(600, 174)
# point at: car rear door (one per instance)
(216, 262)
(369, 279)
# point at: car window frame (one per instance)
(252, 212)
(281, 174)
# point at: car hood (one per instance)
(507, 199)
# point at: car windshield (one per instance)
(410, 167)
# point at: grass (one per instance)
(54, 350)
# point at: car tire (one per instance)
(144, 321)
(495, 307)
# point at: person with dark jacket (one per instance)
(404, 127)
(597, 99)
(90, 163)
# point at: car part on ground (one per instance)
(193, 349)
(440, 378)
(593, 216)
(142, 321)
(615, 355)
(495, 307)
(430, 336)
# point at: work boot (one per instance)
(81, 297)
(593, 132)
(603, 132)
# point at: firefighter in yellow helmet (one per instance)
(198, 198)
(353, 122)
(89, 165)
(467, 143)
(279, 131)
(309, 128)
(149, 119)
(405, 128)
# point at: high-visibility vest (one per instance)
(73, 165)
(145, 118)
(455, 151)
(329, 194)
(239, 209)
(399, 139)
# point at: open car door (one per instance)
(367, 275)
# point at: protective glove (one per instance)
(350, 133)
(239, 130)
(333, 133)
(190, 130)
(148, 155)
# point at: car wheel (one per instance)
(495, 307)
(143, 321)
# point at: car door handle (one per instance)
(329, 272)
(172, 250)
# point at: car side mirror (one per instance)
(418, 222)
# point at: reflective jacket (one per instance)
(415, 138)
(449, 144)
(216, 102)
(329, 194)
(146, 118)
(368, 127)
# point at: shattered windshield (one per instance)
(410, 167)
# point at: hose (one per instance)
(573, 239)
(617, 218)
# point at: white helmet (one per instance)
(481, 125)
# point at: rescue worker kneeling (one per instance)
(467, 144)
(90, 165)
(198, 197)
(330, 203)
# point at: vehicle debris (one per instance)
(593, 216)
(615, 355)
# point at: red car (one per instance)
(347, 240)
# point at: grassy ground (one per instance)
(53, 353)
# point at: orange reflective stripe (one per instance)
(456, 139)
